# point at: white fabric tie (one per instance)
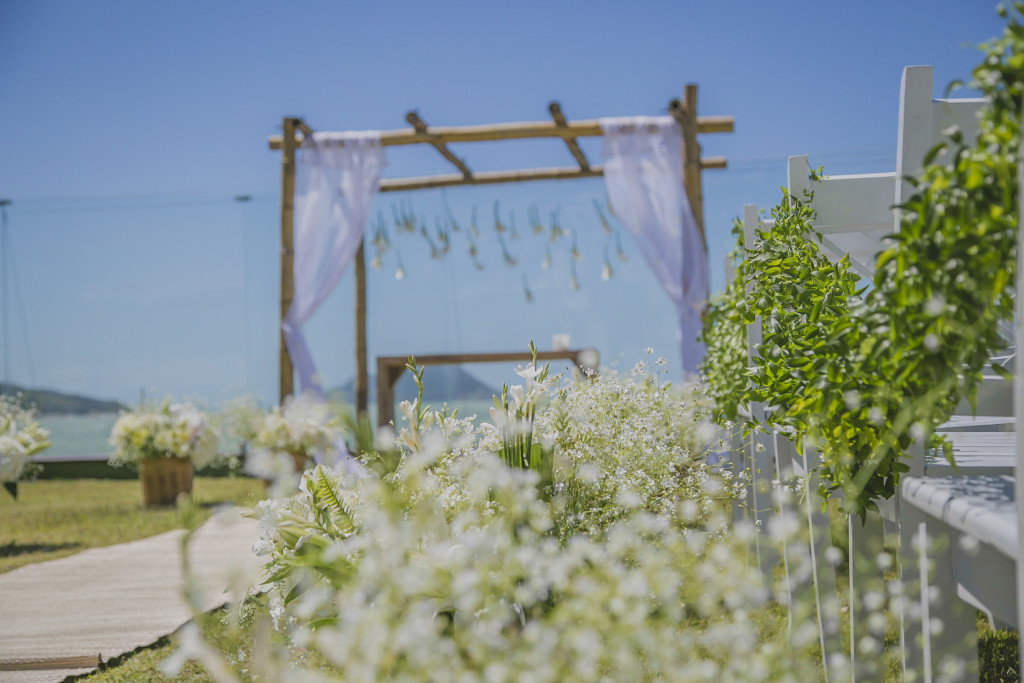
(336, 180)
(643, 175)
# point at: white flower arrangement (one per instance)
(461, 565)
(635, 442)
(20, 437)
(303, 426)
(238, 421)
(168, 431)
(396, 588)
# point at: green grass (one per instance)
(997, 650)
(52, 519)
(143, 666)
(56, 518)
(235, 639)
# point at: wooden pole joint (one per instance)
(303, 127)
(570, 141)
(416, 122)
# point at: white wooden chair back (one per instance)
(856, 212)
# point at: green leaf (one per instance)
(1002, 372)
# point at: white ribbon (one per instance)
(643, 175)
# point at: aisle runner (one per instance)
(60, 617)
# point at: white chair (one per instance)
(854, 213)
(968, 534)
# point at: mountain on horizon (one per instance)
(58, 403)
(440, 383)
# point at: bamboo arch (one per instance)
(295, 130)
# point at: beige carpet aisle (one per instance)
(57, 618)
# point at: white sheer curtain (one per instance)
(643, 174)
(336, 180)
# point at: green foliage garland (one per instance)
(725, 338)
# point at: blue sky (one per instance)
(127, 128)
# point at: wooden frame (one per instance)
(390, 369)
(295, 131)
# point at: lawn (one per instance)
(238, 645)
(997, 650)
(52, 519)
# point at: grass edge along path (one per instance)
(53, 519)
(997, 650)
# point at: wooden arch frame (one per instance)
(295, 130)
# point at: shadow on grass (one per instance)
(204, 504)
(114, 662)
(15, 549)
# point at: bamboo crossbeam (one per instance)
(416, 122)
(500, 357)
(513, 131)
(495, 177)
(390, 368)
(485, 178)
(574, 147)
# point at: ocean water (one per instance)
(89, 435)
(84, 435)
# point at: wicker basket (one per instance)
(300, 461)
(163, 479)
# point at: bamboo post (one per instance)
(286, 377)
(691, 157)
(388, 372)
(362, 381)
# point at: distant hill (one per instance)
(57, 403)
(440, 383)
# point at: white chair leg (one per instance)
(788, 515)
(952, 625)
(867, 596)
(912, 637)
(763, 503)
(739, 463)
(941, 644)
(826, 595)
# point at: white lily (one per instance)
(516, 393)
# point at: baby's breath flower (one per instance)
(456, 566)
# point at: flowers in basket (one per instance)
(20, 437)
(303, 427)
(178, 430)
(285, 440)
